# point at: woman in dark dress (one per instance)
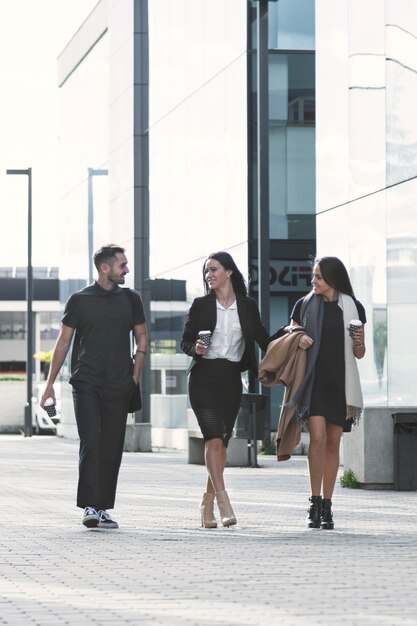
(215, 385)
(332, 398)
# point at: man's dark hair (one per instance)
(106, 254)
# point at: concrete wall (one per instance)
(12, 405)
(369, 449)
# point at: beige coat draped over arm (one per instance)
(285, 363)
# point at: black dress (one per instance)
(328, 394)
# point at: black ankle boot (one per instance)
(313, 517)
(326, 515)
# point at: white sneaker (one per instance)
(91, 518)
(106, 520)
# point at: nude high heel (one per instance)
(207, 511)
(225, 508)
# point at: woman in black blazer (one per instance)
(215, 385)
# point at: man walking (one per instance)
(103, 377)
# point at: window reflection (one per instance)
(198, 173)
(12, 325)
(292, 146)
(286, 30)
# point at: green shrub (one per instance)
(12, 377)
(268, 450)
(349, 480)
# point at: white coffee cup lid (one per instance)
(204, 332)
(356, 322)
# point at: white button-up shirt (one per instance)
(227, 340)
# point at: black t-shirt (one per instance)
(101, 354)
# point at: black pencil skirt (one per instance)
(215, 390)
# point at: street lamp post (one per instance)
(29, 301)
(90, 219)
(263, 181)
(263, 161)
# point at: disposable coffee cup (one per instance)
(354, 326)
(50, 407)
(205, 336)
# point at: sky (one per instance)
(32, 34)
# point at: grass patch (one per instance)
(268, 450)
(349, 480)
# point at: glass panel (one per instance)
(18, 325)
(332, 140)
(175, 382)
(356, 234)
(292, 146)
(364, 142)
(367, 158)
(198, 174)
(203, 195)
(6, 325)
(401, 121)
(401, 15)
(402, 293)
(366, 23)
(166, 329)
(286, 30)
(292, 88)
(367, 266)
(49, 325)
(156, 385)
(190, 43)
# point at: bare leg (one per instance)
(316, 452)
(215, 456)
(210, 486)
(331, 467)
(216, 453)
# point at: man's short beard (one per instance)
(119, 280)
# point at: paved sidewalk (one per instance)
(160, 567)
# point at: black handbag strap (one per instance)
(130, 297)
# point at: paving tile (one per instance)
(161, 567)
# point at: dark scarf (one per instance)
(312, 322)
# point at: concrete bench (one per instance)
(237, 451)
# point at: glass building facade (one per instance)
(179, 80)
(203, 157)
(159, 152)
(366, 177)
(198, 172)
(198, 143)
(13, 316)
(101, 74)
(291, 133)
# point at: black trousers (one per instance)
(101, 415)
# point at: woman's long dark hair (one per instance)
(226, 260)
(335, 274)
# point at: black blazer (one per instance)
(203, 316)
